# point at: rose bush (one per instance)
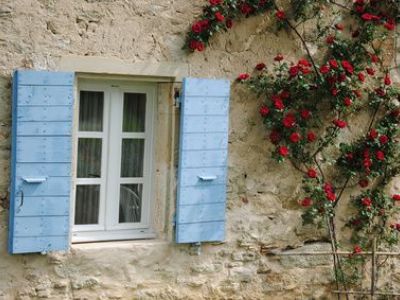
(307, 104)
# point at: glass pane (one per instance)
(91, 106)
(89, 158)
(134, 112)
(87, 204)
(132, 157)
(130, 203)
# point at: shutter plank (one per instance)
(44, 113)
(49, 243)
(45, 96)
(41, 150)
(199, 232)
(44, 206)
(205, 194)
(44, 129)
(203, 156)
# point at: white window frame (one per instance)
(112, 135)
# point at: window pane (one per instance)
(91, 106)
(87, 204)
(89, 158)
(132, 157)
(130, 203)
(134, 112)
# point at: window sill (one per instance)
(120, 244)
(112, 236)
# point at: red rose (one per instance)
(374, 58)
(342, 77)
(264, 111)
(306, 202)
(359, 9)
(357, 93)
(380, 92)
(334, 92)
(339, 26)
(373, 134)
(280, 14)
(275, 137)
(219, 17)
(380, 155)
(357, 249)
(390, 25)
(330, 39)
(260, 66)
(333, 63)
(229, 23)
(311, 137)
(304, 62)
(324, 69)
(283, 151)
(387, 80)
(246, 9)
(279, 57)
(289, 120)
(197, 27)
(366, 202)
(293, 71)
(243, 76)
(396, 197)
(347, 66)
(196, 45)
(347, 101)
(295, 137)
(395, 113)
(367, 163)
(363, 183)
(328, 188)
(305, 114)
(215, 2)
(349, 156)
(279, 104)
(284, 95)
(312, 173)
(370, 71)
(331, 196)
(361, 76)
(383, 139)
(339, 123)
(369, 17)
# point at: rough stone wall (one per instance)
(261, 214)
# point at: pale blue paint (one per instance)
(201, 232)
(44, 128)
(205, 141)
(41, 148)
(202, 194)
(200, 212)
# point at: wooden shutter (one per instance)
(42, 111)
(203, 151)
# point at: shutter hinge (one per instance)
(174, 220)
(177, 97)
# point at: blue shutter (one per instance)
(42, 111)
(203, 152)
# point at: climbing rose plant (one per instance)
(308, 105)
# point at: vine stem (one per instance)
(338, 265)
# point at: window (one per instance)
(113, 158)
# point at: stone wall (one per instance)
(262, 212)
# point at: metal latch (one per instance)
(34, 179)
(207, 178)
